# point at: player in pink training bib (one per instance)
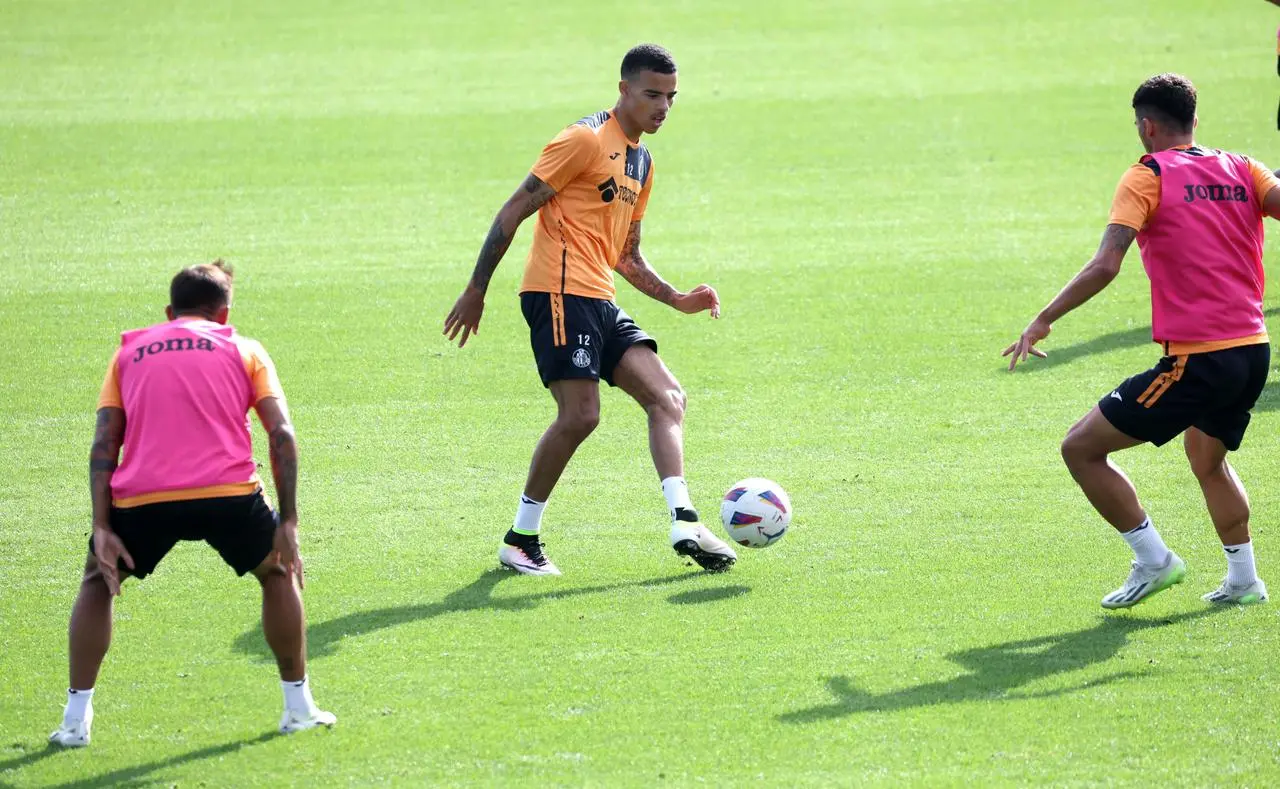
(1196, 214)
(175, 398)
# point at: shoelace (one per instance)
(1136, 572)
(533, 551)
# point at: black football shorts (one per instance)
(578, 337)
(240, 528)
(1213, 392)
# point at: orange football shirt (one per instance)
(602, 182)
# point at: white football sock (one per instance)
(528, 516)
(676, 492)
(1241, 570)
(1146, 544)
(297, 696)
(78, 704)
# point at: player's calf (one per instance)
(284, 626)
(89, 637)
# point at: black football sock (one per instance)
(686, 514)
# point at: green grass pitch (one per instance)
(883, 192)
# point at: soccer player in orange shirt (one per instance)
(1196, 214)
(589, 188)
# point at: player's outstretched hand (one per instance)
(697, 300)
(1036, 331)
(109, 549)
(465, 315)
(286, 548)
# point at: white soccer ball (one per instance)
(756, 512)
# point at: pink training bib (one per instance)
(1203, 248)
(186, 396)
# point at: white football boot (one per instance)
(1255, 592)
(73, 734)
(1144, 581)
(692, 539)
(527, 559)
(293, 720)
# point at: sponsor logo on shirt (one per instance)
(1216, 193)
(172, 344)
(610, 189)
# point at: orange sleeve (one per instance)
(1263, 179)
(1136, 199)
(261, 371)
(643, 200)
(565, 156)
(110, 397)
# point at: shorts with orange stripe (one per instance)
(1213, 392)
(578, 337)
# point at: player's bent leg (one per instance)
(1085, 450)
(641, 374)
(283, 621)
(1228, 505)
(89, 635)
(1224, 495)
(88, 639)
(577, 415)
(284, 625)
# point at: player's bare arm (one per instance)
(635, 269)
(524, 203)
(1097, 274)
(104, 457)
(1271, 203)
(274, 415)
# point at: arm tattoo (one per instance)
(104, 455)
(636, 270)
(284, 467)
(491, 252)
(532, 195)
(1117, 238)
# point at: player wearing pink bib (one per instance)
(1197, 216)
(176, 397)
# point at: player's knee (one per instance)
(1206, 468)
(270, 571)
(1076, 451)
(580, 421)
(92, 580)
(672, 404)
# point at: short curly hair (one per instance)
(1169, 99)
(202, 288)
(647, 57)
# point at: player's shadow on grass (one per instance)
(323, 638)
(138, 774)
(995, 672)
(695, 596)
(30, 758)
